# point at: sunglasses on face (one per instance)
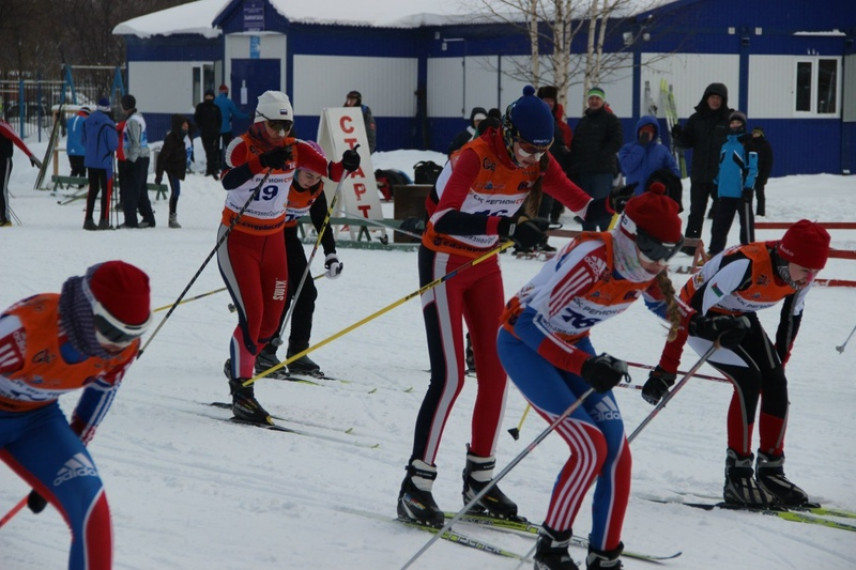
(527, 149)
(110, 330)
(652, 250)
(280, 125)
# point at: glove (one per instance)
(35, 162)
(524, 232)
(747, 195)
(677, 132)
(333, 265)
(727, 329)
(36, 502)
(604, 372)
(276, 157)
(658, 384)
(351, 159)
(618, 197)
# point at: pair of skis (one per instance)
(667, 103)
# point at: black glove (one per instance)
(604, 372)
(727, 329)
(524, 232)
(619, 196)
(36, 502)
(35, 162)
(747, 195)
(276, 157)
(351, 159)
(658, 384)
(677, 132)
(333, 266)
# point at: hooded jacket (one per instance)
(172, 158)
(597, 139)
(639, 161)
(705, 133)
(100, 141)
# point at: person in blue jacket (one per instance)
(738, 169)
(100, 141)
(74, 145)
(228, 111)
(643, 156)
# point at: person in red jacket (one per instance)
(8, 137)
(85, 337)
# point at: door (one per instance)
(252, 77)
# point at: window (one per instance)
(203, 79)
(816, 89)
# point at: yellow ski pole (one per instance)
(165, 307)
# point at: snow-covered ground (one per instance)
(190, 492)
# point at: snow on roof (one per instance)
(190, 18)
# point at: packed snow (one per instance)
(188, 490)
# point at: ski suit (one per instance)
(477, 186)
(543, 343)
(39, 365)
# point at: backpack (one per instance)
(387, 179)
(426, 172)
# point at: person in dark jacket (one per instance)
(172, 159)
(100, 141)
(355, 99)
(208, 120)
(560, 149)
(593, 162)
(704, 133)
(758, 143)
(477, 115)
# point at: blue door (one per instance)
(257, 76)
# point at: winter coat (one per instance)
(208, 119)
(100, 141)
(705, 133)
(563, 135)
(597, 139)
(135, 141)
(765, 158)
(738, 168)
(172, 158)
(639, 161)
(73, 143)
(371, 128)
(228, 109)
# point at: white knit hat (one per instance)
(274, 106)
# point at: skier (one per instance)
(86, 337)
(7, 139)
(545, 347)
(260, 167)
(476, 205)
(305, 197)
(730, 288)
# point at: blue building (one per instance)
(789, 64)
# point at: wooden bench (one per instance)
(364, 225)
(63, 182)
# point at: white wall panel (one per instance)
(148, 81)
(386, 84)
(481, 83)
(690, 74)
(849, 89)
(771, 86)
(445, 87)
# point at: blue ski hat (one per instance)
(530, 119)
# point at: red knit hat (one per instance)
(655, 213)
(123, 290)
(805, 243)
(223, 88)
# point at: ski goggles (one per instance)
(652, 250)
(278, 125)
(526, 149)
(111, 331)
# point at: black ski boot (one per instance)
(770, 474)
(304, 364)
(477, 474)
(267, 359)
(605, 559)
(551, 550)
(245, 407)
(741, 489)
(470, 356)
(415, 502)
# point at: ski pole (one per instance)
(840, 348)
(662, 403)
(703, 376)
(193, 279)
(515, 431)
(493, 482)
(165, 307)
(379, 312)
(277, 340)
(8, 516)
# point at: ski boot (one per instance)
(173, 221)
(470, 356)
(770, 475)
(267, 359)
(415, 502)
(245, 407)
(304, 364)
(605, 559)
(477, 474)
(741, 489)
(551, 550)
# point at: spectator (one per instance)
(494, 119)
(355, 99)
(100, 141)
(643, 156)
(7, 139)
(738, 169)
(136, 147)
(560, 149)
(477, 115)
(208, 120)
(228, 111)
(172, 159)
(73, 145)
(593, 162)
(704, 133)
(758, 143)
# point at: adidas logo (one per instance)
(78, 466)
(606, 410)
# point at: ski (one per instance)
(667, 103)
(813, 508)
(300, 422)
(524, 527)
